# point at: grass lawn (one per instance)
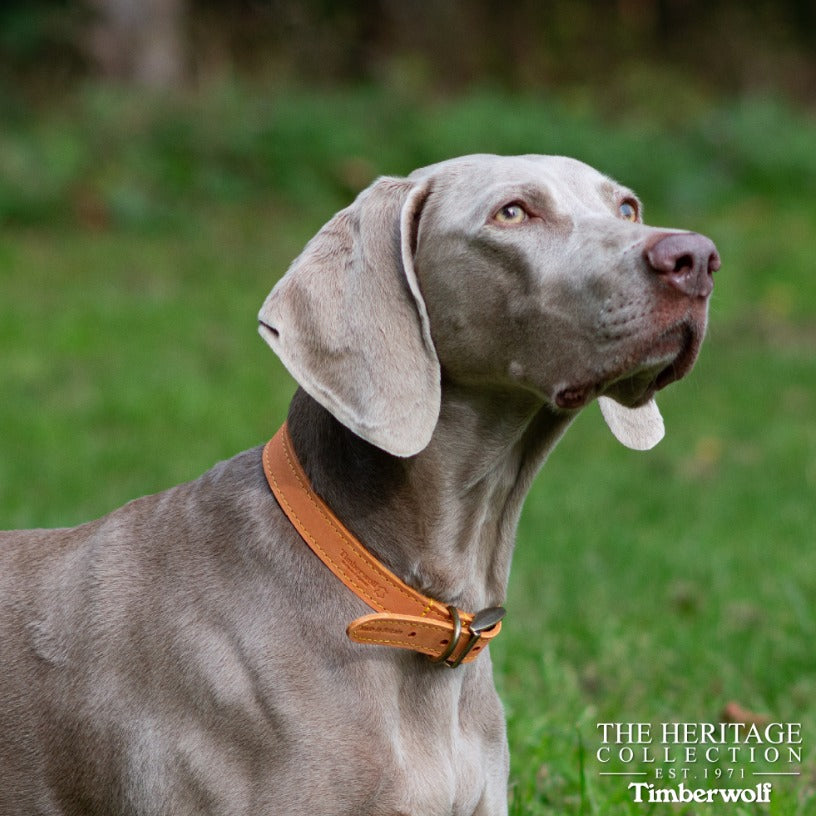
(139, 239)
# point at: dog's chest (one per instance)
(435, 746)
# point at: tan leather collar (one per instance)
(404, 618)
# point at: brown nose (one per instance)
(686, 261)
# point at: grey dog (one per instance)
(187, 654)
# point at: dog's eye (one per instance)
(511, 214)
(629, 210)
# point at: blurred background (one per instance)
(162, 161)
(451, 44)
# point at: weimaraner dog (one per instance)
(188, 653)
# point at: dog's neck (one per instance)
(443, 520)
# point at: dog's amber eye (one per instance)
(511, 214)
(628, 210)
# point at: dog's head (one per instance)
(530, 272)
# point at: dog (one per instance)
(208, 650)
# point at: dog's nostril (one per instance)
(685, 263)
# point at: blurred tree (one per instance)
(33, 29)
(448, 44)
(142, 41)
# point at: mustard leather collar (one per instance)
(404, 618)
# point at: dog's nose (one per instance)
(686, 261)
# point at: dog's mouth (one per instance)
(689, 344)
(666, 359)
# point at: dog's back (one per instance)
(106, 629)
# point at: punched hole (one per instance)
(412, 634)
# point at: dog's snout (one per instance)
(686, 261)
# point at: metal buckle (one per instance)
(482, 622)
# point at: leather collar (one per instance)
(404, 617)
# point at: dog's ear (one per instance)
(349, 322)
(637, 428)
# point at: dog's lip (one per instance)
(665, 359)
(684, 361)
(681, 343)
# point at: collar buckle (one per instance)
(482, 622)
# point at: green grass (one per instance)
(139, 238)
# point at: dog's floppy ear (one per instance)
(349, 322)
(637, 428)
